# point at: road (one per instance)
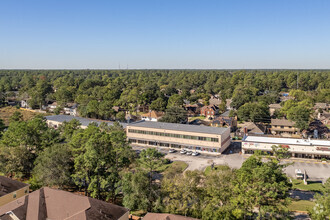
(316, 171)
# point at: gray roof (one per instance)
(83, 121)
(225, 114)
(179, 127)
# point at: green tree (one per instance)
(321, 210)
(254, 112)
(174, 115)
(175, 101)
(300, 115)
(53, 167)
(17, 116)
(67, 129)
(159, 104)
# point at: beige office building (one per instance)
(203, 139)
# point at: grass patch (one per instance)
(197, 117)
(7, 112)
(208, 169)
(179, 166)
(301, 205)
(311, 186)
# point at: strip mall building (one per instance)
(301, 148)
(203, 139)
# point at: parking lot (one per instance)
(316, 170)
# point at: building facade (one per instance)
(301, 148)
(11, 190)
(281, 126)
(202, 139)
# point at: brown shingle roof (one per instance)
(48, 203)
(282, 122)
(153, 114)
(164, 216)
(275, 106)
(8, 185)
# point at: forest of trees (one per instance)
(99, 161)
(97, 91)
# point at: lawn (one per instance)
(216, 167)
(301, 205)
(197, 117)
(311, 186)
(176, 165)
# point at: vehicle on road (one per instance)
(183, 151)
(172, 150)
(299, 174)
(189, 152)
(195, 153)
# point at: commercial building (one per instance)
(203, 139)
(302, 148)
(47, 203)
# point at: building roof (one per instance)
(83, 121)
(287, 141)
(213, 107)
(275, 106)
(153, 114)
(282, 122)
(47, 203)
(179, 127)
(8, 185)
(164, 216)
(255, 128)
(321, 105)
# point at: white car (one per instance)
(172, 150)
(189, 152)
(183, 151)
(195, 153)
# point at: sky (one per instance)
(165, 34)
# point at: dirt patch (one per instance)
(7, 112)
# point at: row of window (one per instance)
(174, 135)
(156, 144)
(275, 126)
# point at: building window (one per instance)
(282, 126)
(290, 126)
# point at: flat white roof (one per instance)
(287, 141)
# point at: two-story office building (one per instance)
(302, 148)
(202, 139)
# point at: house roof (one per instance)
(153, 114)
(275, 106)
(47, 203)
(213, 107)
(179, 127)
(165, 216)
(8, 185)
(282, 122)
(321, 105)
(254, 128)
(83, 121)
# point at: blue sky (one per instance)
(186, 34)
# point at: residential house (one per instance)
(152, 116)
(283, 126)
(214, 100)
(210, 111)
(24, 103)
(273, 108)
(251, 128)
(11, 190)
(323, 106)
(52, 106)
(224, 120)
(324, 118)
(71, 109)
(47, 203)
(193, 109)
(284, 96)
(165, 216)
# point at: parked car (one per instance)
(195, 153)
(183, 151)
(189, 152)
(299, 174)
(172, 150)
